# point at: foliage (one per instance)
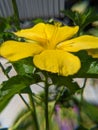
(82, 19)
(57, 106)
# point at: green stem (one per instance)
(16, 14)
(15, 126)
(32, 109)
(34, 112)
(82, 89)
(25, 102)
(4, 71)
(46, 105)
(81, 101)
(56, 100)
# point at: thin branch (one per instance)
(46, 104)
(16, 14)
(24, 101)
(20, 121)
(82, 89)
(34, 112)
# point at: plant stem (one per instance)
(81, 101)
(16, 14)
(56, 100)
(20, 121)
(46, 106)
(24, 102)
(84, 84)
(4, 71)
(34, 112)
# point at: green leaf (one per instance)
(93, 69)
(16, 81)
(38, 20)
(85, 61)
(4, 103)
(91, 110)
(70, 14)
(82, 19)
(3, 24)
(11, 87)
(24, 66)
(74, 16)
(16, 14)
(73, 86)
(88, 66)
(66, 81)
(90, 16)
(93, 31)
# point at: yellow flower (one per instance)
(50, 47)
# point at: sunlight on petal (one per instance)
(13, 50)
(57, 61)
(80, 43)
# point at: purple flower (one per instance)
(64, 122)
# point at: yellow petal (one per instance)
(47, 33)
(56, 34)
(36, 33)
(80, 43)
(57, 61)
(13, 50)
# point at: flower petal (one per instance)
(47, 33)
(36, 33)
(13, 50)
(85, 42)
(57, 61)
(56, 34)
